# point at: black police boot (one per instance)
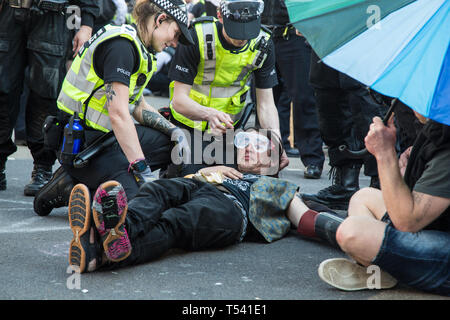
(55, 194)
(375, 182)
(345, 184)
(39, 177)
(3, 173)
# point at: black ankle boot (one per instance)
(39, 177)
(2, 173)
(55, 194)
(345, 184)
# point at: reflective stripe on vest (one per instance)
(221, 80)
(81, 79)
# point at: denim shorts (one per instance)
(420, 260)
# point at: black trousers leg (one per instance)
(283, 104)
(46, 54)
(293, 59)
(112, 164)
(345, 113)
(12, 70)
(179, 213)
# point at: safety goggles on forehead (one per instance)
(259, 142)
(242, 10)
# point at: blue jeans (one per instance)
(420, 260)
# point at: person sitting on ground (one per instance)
(216, 207)
(404, 229)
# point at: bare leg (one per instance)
(296, 210)
(367, 202)
(361, 238)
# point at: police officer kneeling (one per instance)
(210, 86)
(104, 89)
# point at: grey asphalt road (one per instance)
(34, 260)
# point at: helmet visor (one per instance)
(258, 142)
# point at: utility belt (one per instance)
(64, 134)
(282, 31)
(58, 6)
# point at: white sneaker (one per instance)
(348, 276)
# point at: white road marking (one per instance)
(30, 225)
(17, 201)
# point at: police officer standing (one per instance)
(293, 55)
(34, 34)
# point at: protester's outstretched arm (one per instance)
(409, 211)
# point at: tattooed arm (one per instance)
(147, 116)
(409, 211)
(121, 121)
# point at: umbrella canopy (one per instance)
(399, 48)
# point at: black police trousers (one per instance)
(179, 213)
(38, 42)
(346, 110)
(112, 164)
(292, 61)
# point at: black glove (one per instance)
(142, 172)
(182, 151)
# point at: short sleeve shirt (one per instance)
(116, 60)
(435, 181)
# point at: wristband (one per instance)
(138, 165)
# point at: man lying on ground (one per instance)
(217, 207)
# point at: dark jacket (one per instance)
(89, 11)
(275, 13)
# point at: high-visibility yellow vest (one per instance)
(221, 80)
(82, 82)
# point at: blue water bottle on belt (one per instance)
(73, 140)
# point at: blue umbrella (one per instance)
(403, 54)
